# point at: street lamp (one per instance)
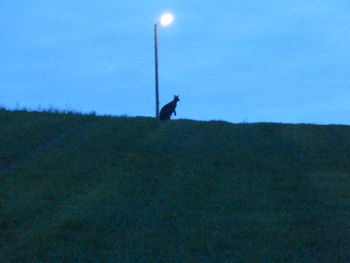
(165, 20)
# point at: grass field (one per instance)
(83, 188)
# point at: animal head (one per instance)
(176, 98)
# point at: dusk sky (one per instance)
(238, 61)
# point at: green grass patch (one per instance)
(83, 188)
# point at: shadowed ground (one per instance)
(80, 188)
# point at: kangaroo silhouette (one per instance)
(168, 109)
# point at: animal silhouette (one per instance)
(168, 109)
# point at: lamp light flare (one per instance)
(166, 19)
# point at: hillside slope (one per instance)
(78, 188)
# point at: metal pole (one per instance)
(156, 67)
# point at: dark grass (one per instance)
(82, 188)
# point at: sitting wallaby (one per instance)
(168, 109)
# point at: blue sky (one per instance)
(238, 61)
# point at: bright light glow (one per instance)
(166, 19)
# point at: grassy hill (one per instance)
(82, 188)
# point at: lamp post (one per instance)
(165, 20)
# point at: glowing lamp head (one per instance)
(166, 19)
